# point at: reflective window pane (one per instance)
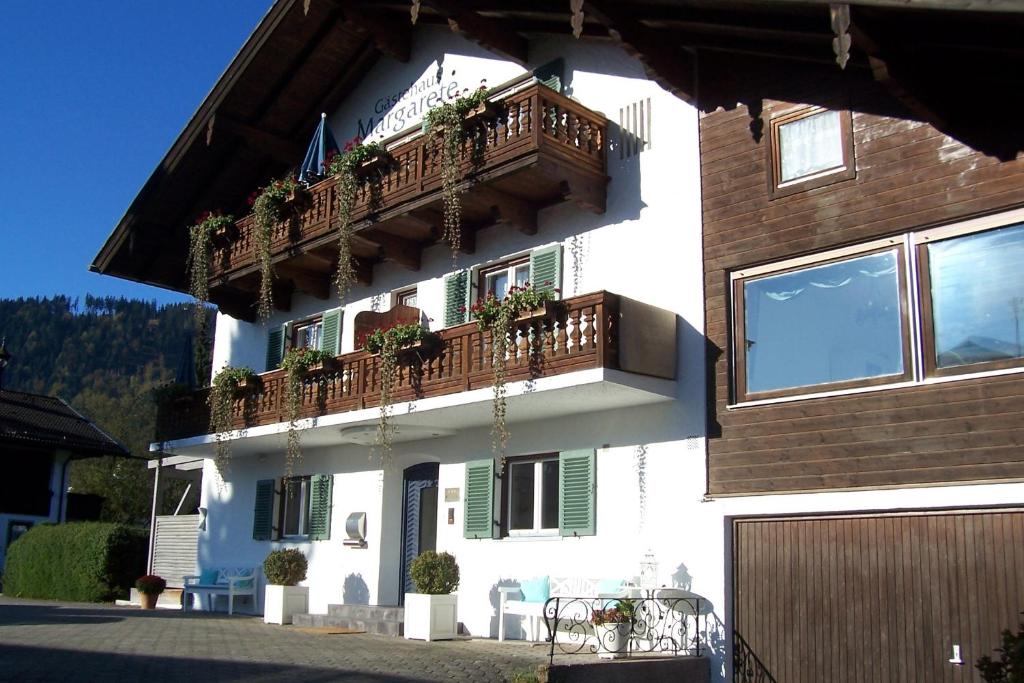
(521, 496)
(549, 495)
(810, 145)
(830, 323)
(522, 274)
(292, 507)
(977, 296)
(497, 284)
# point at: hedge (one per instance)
(80, 561)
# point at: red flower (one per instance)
(462, 309)
(557, 290)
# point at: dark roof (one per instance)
(34, 420)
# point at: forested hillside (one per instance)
(103, 356)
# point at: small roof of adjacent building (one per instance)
(34, 420)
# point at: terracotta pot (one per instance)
(148, 600)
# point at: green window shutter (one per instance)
(332, 332)
(546, 268)
(320, 507)
(275, 347)
(456, 297)
(576, 493)
(551, 74)
(478, 519)
(263, 511)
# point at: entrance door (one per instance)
(419, 518)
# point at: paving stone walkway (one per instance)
(51, 641)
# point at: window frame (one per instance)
(510, 265)
(775, 120)
(399, 295)
(738, 327)
(505, 516)
(298, 325)
(305, 501)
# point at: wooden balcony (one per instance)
(541, 149)
(599, 330)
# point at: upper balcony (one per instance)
(592, 352)
(540, 149)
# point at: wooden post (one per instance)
(152, 517)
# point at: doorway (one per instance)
(419, 518)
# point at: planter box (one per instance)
(485, 111)
(613, 640)
(548, 310)
(224, 236)
(374, 166)
(328, 365)
(280, 603)
(298, 200)
(431, 617)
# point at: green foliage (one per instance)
(524, 676)
(302, 359)
(297, 362)
(80, 561)
(395, 336)
(269, 209)
(1009, 668)
(620, 613)
(435, 573)
(103, 356)
(222, 395)
(150, 584)
(346, 166)
(200, 251)
(286, 567)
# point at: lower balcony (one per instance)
(590, 353)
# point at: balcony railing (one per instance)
(580, 333)
(541, 148)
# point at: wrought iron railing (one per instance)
(662, 623)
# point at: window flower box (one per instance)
(225, 235)
(298, 200)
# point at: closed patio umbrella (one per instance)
(320, 146)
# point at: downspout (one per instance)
(62, 491)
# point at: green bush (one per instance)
(435, 573)
(81, 561)
(1009, 668)
(285, 567)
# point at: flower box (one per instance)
(247, 386)
(327, 365)
(485, 111)
(225, 236)
(374, 166)
(298, 200)
(548, 310)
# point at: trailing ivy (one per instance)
(222, 395)
(200, 251)
(347, 167)
(497, 316)
(270, 208)
(297, 363)
(450, 117)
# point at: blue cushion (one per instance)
(606, 586)
(244, 584)
(535, 590)
(208, 577)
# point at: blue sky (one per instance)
(93, 95)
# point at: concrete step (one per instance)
(384, 621)
(368, 612)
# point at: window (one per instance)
(843, 320)
(809, 148)
(308, 334)
(405, 297)
(295, 506)
(499, 278)
(531, 503)
(976, 304)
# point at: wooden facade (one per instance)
(874, 599)
(908, 176)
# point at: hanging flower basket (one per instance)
(324, 366)
(247, 385)
(485, 111)
(547, 309)
(298, 200)
(225, 235)
(375, 165)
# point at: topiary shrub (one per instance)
(1009, 668)
(285, 567)
(150, 584)
(435, 573)
(80, 561)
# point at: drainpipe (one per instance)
(62, 491)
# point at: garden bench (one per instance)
(232, 582)
(528, 598)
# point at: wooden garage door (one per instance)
(874, 598)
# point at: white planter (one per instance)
(431, 617)
(613, 640)
(281, 602)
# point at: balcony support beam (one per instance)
(282, 291)
(506, 209)
(232, 302)
(314, 283)
(364, 270)
(404, 252)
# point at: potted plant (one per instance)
(149, 587)
(393, 344)
(283, 597)
(612, 626)
(227, 385)
(299, 363)
(497, 316)
(211, 229)
(431, 613)
(270, 206)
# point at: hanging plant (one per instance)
(449, 118)
(352, 167)
(390, 343)
(270, 207)
(297, 363)
(210, 227)
(226, 386)
(497, 316)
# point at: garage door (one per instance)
(874, 598)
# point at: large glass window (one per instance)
(827, 326)
(533, 496)
(976, 299)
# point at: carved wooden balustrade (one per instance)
(537, 131)
(581, 333)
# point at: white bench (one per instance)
(233, 582)
(509, 601)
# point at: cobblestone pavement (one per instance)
(52, 641)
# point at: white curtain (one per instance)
(810, 145)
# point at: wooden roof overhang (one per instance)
(956, 64)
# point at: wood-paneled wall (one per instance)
(909, 175)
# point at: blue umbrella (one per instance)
(322, 144)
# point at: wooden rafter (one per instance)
(405, 252)
(486, 32)
(390, 37)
